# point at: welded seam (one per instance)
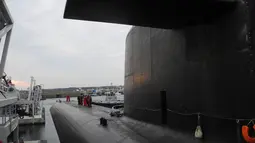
(249, 39)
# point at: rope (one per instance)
(217, 117)
(185, 114)
(148, 109)
(196, 114)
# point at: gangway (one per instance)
(30, 107)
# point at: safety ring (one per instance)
(245, 133)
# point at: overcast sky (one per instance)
(62, 52)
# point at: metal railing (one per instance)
(7, 113)
(3, 88)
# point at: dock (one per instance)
(37, 119)
(34, 119)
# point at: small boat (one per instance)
(109, 100)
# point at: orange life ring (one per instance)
(247, 138)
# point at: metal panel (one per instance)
(159, 14)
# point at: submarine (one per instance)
(189, 65)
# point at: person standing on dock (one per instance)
(85, 102)
(68, 98)
(89, 100)
(80, 97)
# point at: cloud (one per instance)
(121, 54)
(62, 52)
(20, 84)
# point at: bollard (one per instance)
(103, 121)
(163, 107)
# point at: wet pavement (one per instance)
(41, 132)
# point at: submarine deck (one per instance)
(85, 121)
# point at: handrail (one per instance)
(5, 30)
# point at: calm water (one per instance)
(42, 132)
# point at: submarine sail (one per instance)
(204, 69)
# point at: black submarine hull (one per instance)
(74, 127)
(82, 125)
(206, 69)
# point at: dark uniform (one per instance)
(80, 99)
(89, 100)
